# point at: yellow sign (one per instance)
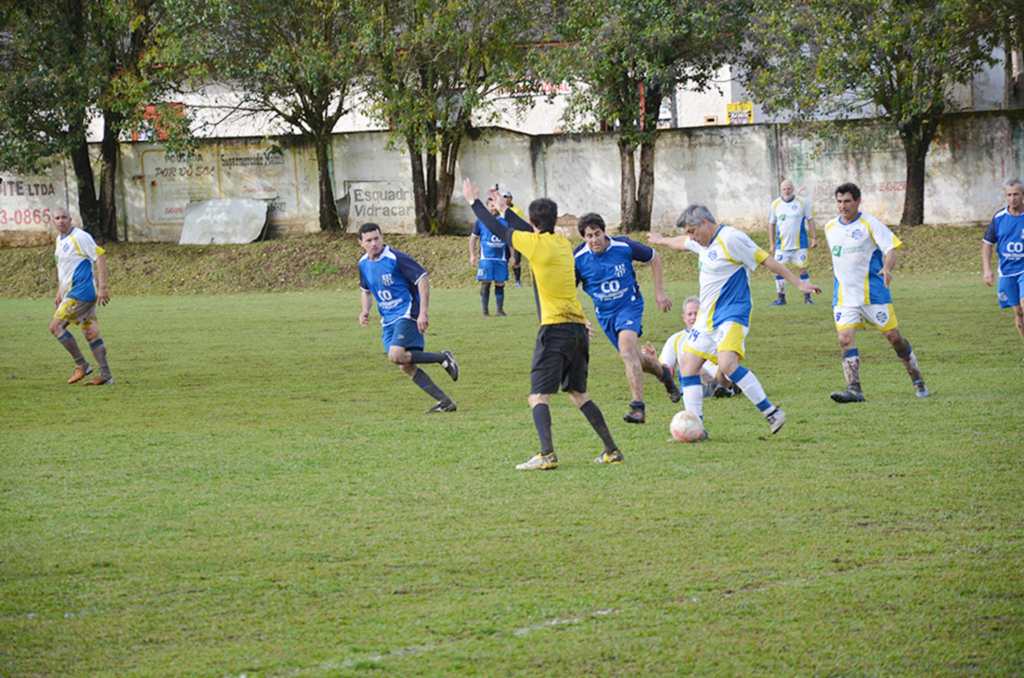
(741, 113)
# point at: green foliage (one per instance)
(265, 498)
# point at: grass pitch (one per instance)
(259, 495)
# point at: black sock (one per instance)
(596, 419)
(499, 297)
(423, 380)
(425, 358)
(542, 420)
(485, 295)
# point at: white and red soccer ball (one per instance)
(686, 427)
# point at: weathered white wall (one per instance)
(734, 170)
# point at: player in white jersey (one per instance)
(727, 256)
(672, 351)
(863, 256)
(77, 295)
(1006, 234)
(789, 220)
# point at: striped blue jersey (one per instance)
(75, 254)
(392, 281)
(858, 254)
(1006, 233)
(609, 277)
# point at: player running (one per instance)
(402, 291)
(863, 256)
(727, 258)
(562, 353)
(605, 268)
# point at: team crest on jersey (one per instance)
(712, 255)
(387, 280)
(856, 234)
(881, 317)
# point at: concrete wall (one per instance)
(735, 170)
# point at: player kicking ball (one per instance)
(402, 291)
(727, 257)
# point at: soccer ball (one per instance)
(686, 426)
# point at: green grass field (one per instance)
(260, 495)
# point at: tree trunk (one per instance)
(917, 135)
(446, 182)
(328, 209)
(627, 187)
(645, 191)
(110, 149)
(88, 206)
(419, 188)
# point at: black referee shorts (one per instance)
(560, 359)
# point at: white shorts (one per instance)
(792, 258)
(882, 316)
(729, 336)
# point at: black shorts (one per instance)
(560, 358)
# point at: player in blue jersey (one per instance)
(604, 266)
(727, 257)
(77, 296)
(402, 291)
(493, 263)
(863, 256)
(1006, 234)
(789, 219)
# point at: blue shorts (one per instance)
(404, 333)
(492, 269)
(1011, 290)
(629, 316)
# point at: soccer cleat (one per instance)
(101, 381)
(450, 366)
(486, 314)
(777, 302)
(920, 390)
(442, 406)
(519, 283)
(539, 462)
(635, 416)
(501, 314)
(610, 458)
(722, 391)
(673, 390)
(80, 372)
(703, 436)
(808, 300)
(776, 419)
(848, 396)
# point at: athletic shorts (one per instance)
(492, 269)
(626, 317)
(1011, 290)
(729, 336)
(792, 258)
(560, 359)
(81, 313)
(404, 333)
(882, 316)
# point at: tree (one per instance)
(832, 60)
(292, 59)
(433, 64)
(630, 56)
(66, 63)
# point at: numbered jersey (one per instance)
(1006, 233)
(392, 281)
(725, 267)
(608, 277)
(75, 254)
(790, 219)
(492, 248)
(858, 252)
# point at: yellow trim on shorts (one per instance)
(706, 356)
(733, 341)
